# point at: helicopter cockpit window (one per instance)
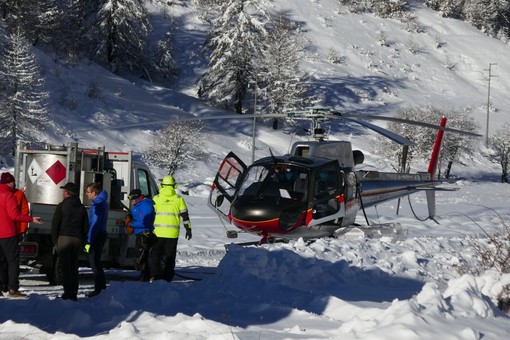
(253, 180)
(284, 180)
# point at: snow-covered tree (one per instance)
(22, 98)
(74, 26)
(489, 16)
(47, 28)
(176, 146)
(481, 13)
(455, 146)
(282, 83)
(122, 31)
(38, 19)
(500, 150)
(162, 61)
(448, 8)
(208, 9)
(393, 152)
(235, 42)
(383, 8)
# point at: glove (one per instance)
(127, 224)
(87, 248)
(188, 231)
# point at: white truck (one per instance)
(43, 168)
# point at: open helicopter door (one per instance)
(225, 185)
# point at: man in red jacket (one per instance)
(22, 227)
(10, 216)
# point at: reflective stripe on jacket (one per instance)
(170, 208)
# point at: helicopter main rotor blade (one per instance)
(187, 119)
(386, 133)
(403, 121)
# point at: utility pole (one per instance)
(488, 105)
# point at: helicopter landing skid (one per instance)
(393, 231)
(257, 243)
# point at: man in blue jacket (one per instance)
(143, 215)
(96, 236)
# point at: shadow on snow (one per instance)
(251, 286)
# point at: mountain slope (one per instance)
(409, 69)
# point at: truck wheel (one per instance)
(54, 271)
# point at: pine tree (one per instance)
(283, 84)
(23, 101)
(49, 16)
(235, 42)
(73, 26)
(39, 20)
(123, 28)
(162, 61)
(483, 14)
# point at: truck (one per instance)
(42, 168)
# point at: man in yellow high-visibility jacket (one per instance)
(170, 209)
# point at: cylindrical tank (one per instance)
(45, 174)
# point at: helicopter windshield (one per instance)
(283, 180)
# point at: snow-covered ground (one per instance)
(329, 289)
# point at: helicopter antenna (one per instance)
(272, 156)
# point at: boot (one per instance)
(16, 294)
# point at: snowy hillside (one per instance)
(379, 65)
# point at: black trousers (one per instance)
(69, 249)
(9, 266)
(96, 249)
(144, 243)
(163, 257)
(4, 277)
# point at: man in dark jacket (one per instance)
(68, 231)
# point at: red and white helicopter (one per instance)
(315, 191)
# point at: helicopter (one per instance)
(315, 191)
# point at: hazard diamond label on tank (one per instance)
(34, 171)
(57, 172)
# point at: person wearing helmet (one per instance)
(170, 209)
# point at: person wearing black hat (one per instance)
(143, 215)
(68, 232)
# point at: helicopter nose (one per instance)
(290, 218)
(267, 214)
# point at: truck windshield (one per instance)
(283, 180)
